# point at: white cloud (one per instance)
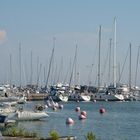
(3, 36)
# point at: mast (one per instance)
(39, 72)
(99, 63)
(60, 70)
(114, 53)
(44, 74)
(37, 69)
(50, 62)
(73, 66)
(130, 68)
(20, 65)
(75, 69)
(137, 65)
(31, 78)
(110, 43)
(11, 76)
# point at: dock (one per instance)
(36, 96)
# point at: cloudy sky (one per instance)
(34, 24)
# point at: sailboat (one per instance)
(108, 93)
(56, 92)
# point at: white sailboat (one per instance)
(108, 93)
(58, 92)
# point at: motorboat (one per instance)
(30, 115)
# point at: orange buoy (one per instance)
(81, 117)
(77, 109)
(102, 110)
(84, 113)
(69, 121)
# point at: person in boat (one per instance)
(6, 95)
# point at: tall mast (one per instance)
(114, 53)
(11, 76)
(99, 63)
(20, 65)
(50, 62)
(130, 68)
(31, 78)
(137, 65)
(75, 69)
(110, 43)
(44, 74)
(73, 66)
(37, 70)
(38, 76)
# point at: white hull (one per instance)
(107, 97)
(79, 97)
(63, 98)
(8, 99)
(28, 115)
(57, 98)
(85, 98)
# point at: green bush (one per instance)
(90, 136)
(54, 135)
(16, 132)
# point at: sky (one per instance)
(34, 24)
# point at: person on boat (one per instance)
(6, 95)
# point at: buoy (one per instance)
(54, 108)
(77, 109)
(60, 106)
(77, 101)
(84, 113)
(102, 110)
(46, 106)
(81, 117)
(56, 105)
(69, 121)
(94, 101)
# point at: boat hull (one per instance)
(29, 116)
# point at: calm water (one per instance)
(120, 122)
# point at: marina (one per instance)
(69, 70)
(119, 119)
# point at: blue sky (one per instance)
(34, 23)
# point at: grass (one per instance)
(54, 135)
(15, 131)
(90, 136)
(18, 132)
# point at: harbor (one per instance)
(119, 118)
(69, 70)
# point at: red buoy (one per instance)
(84, 113)
(61, 106)
(102, 110)
(77, 109)
(81, 117)
(69, 121)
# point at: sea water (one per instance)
(121, 121)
